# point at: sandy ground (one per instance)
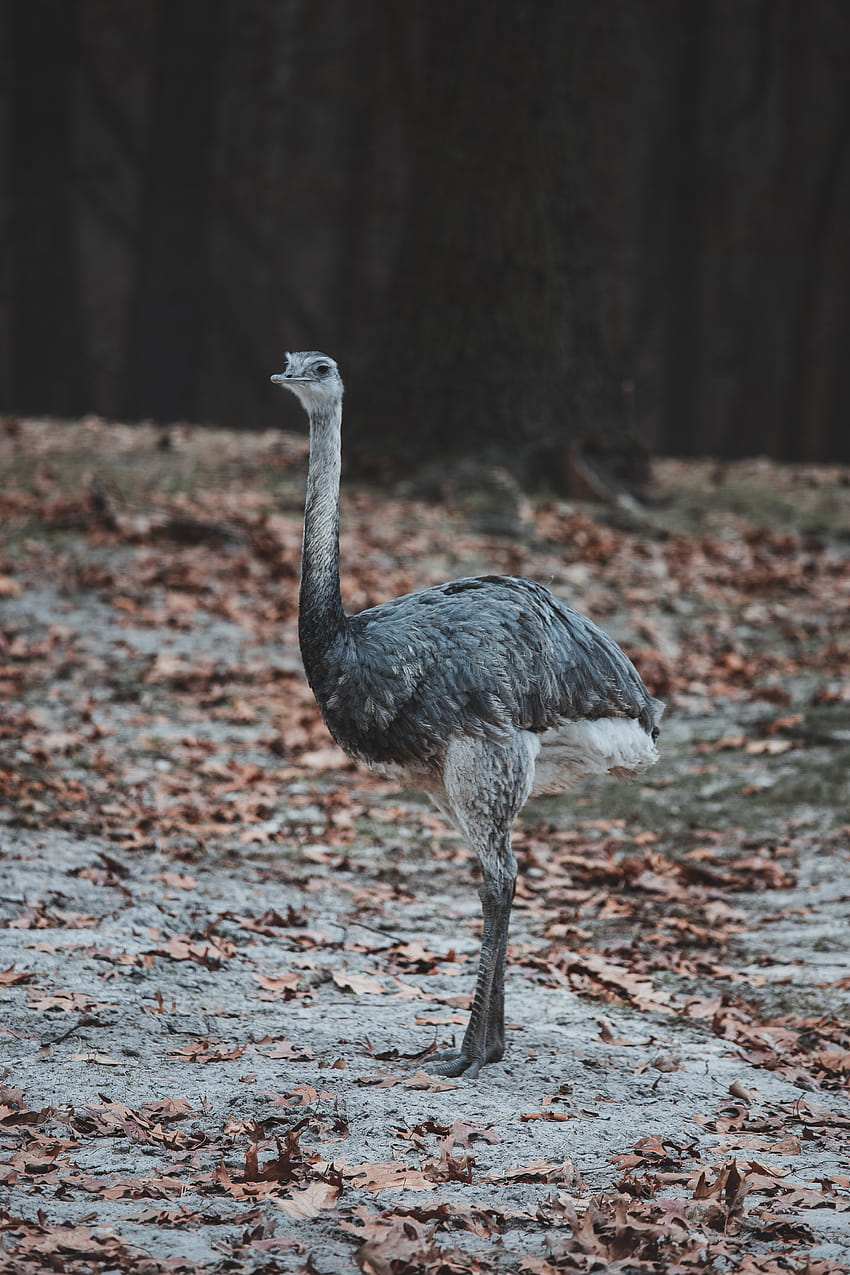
(209, 1040)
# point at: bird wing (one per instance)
(483, 655)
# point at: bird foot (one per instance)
(461, 1062)
(453, 1062)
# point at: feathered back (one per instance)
(485, 655)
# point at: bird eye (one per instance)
(321, 369)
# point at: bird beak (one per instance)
(286, 378)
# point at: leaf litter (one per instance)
(225, 953)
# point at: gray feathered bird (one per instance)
(480, 692)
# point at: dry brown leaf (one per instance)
(75, 1241)
(738, 1090)
(315, 1198)
(307, 1094)
(286, 1049)
(360, 984)
(431, 1084)
(537, 1171)
(10, 976)
(283, 985)
(176, 879)
(393, 1176)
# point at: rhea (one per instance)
(479, 692)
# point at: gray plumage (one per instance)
(485, 656)
(480, 692)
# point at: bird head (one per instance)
(313, 378)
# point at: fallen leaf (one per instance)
(283, 985)
(9, 976)
(393, 1176)
(360, 984)
(176, 879)
(307, 1203)
(286, 1049)
(431, 1084)
(738, 1090)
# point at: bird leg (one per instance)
(485, 784)
(496, 1015)
(484, 1038)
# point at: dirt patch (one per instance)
(225, 953)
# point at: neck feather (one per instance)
(321, 619)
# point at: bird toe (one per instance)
(453, 1062)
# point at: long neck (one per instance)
(321, 619)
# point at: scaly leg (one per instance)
(485, 785)
(484, 1038)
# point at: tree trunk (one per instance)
(492, 342)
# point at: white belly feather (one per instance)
(573, 750)
(559, 758)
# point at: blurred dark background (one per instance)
(520, 225)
